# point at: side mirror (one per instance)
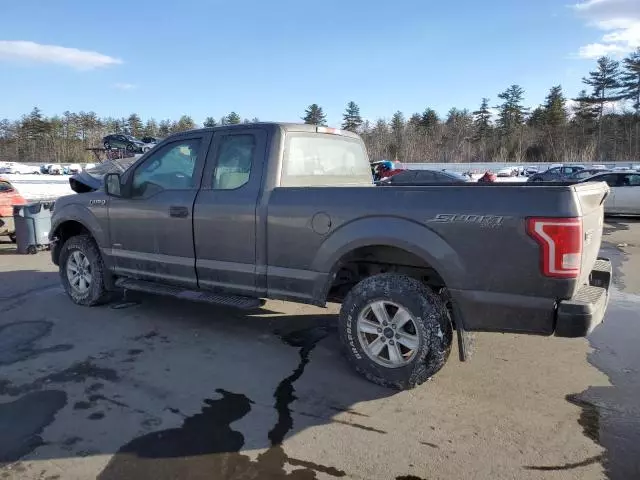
(112, 185)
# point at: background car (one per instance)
(414, 177)
(531, 170)
(153, 140)
(556, 174)
(55, 169)
(586, 173)
(9, 197)
(624, 195)
(124, 142)
(508, 172)
(19, 168)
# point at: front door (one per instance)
(152, 228)
(226, 212)
(628, 194)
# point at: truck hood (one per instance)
(91, 180)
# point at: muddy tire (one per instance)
(396, 331)
(82, 271)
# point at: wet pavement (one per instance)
(156, 388)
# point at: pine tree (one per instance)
(233, 119)
(430, 120)
(210, 122)
(164, 129)
(605, 84)
(185, 123)
(537, 118)
(555, 108)
(352, 118)
(398, 125)
(630, 82)
(482, 120)
(134, 125)
(314, 115)
(150, 128)
(512, 113)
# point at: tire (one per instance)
(95, 293)
(430, 320)
(12, 237)
(107, 146)
(32, 250)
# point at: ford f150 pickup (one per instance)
(232, 215)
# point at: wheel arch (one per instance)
(401, 235)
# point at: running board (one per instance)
(235, 301)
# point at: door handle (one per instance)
(178, 212)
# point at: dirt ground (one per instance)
(163, 389)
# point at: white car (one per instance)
(20, 169)
(624, 197)
(55, 169)
(508, 172)
(74, 168)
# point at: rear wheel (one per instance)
(395, 330)
(107, 146)
(82, 271)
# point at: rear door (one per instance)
(225, 221)
(628, 194)
(151, 230)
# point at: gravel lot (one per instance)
(162, 389)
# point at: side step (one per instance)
(236, 301)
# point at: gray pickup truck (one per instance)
(235, 214)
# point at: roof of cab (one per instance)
(289, 127)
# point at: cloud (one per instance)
(620, 19)
(124, 86)
(70, 57)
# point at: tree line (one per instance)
(601, 123)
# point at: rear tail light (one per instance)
(560, 241)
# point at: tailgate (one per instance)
(590, 197)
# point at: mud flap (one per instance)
(466, 342)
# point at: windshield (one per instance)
(324, 160)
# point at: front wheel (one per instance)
(82, 271)
(396, 331)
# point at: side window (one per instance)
(5, 187)
(170, 168)
(631, 180)
(611, 179)
(425, 176)
(234, 161)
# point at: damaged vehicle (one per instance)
(236, 214)
(9, 197)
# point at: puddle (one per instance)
(24, 419)
(17, 341)
(205, 445)
(76, 373)
(610, 416)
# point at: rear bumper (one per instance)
(578, 316)
(508, 313)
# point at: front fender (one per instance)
(411, 236)
(82, 215)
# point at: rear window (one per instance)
(312, 160)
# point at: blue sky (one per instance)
(272, 59)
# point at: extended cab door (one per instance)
(151, 227)
(225, 221)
